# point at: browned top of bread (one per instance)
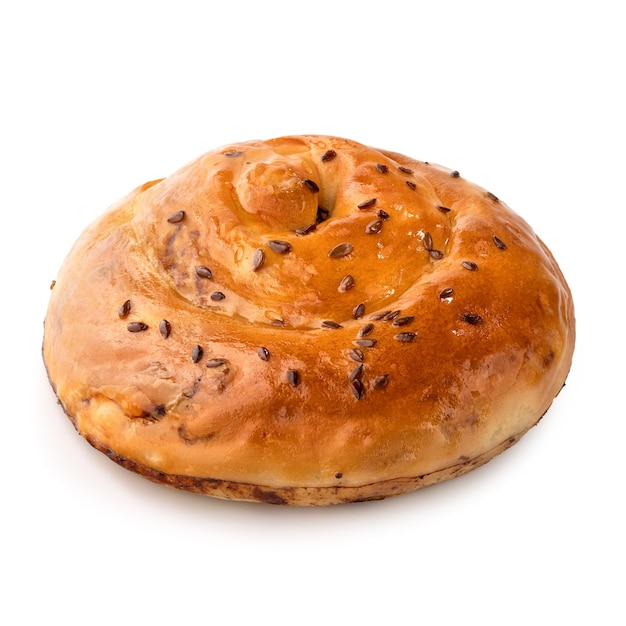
(307, 315)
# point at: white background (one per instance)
(525, 99)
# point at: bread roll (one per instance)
(307, 321)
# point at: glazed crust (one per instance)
(309, 321)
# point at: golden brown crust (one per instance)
(205, 330)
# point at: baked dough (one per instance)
(307, 321)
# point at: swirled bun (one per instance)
(307, 321)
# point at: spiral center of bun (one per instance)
(295, 234)
(275, 192)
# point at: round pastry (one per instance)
(307, 321)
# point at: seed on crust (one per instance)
(306, 230)
(356, 354)
(470, 265)
(472, 318)
(341, 250)
(165, 328)
(373, 228)
(216, 296)
(278, 246)
(499, 243)
(233, 153)
(358, 311)
(444, 209)
(428, 241)
(405, 337)
(406, 170)
(357, 372)
(293, 377)
(312, 185)
(347, 282)
(331, 324)
(358, 388)
(258, 259)
(380, 381)
(124, 310)
(383, 214)
(389, 316)
(411, 185)
(203, 272)
(196, 353)
(454, 174)
(367, 204)
(366, 343)
(436, 254)
(493, 197)
(403, 321)
(329, 155)
(383, 169)
(379, 316)
(447, 293)
(213, 363)
(264, 353)
(177, 217)
(366, 330)
(137, 327)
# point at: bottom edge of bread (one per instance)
(304, 495)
